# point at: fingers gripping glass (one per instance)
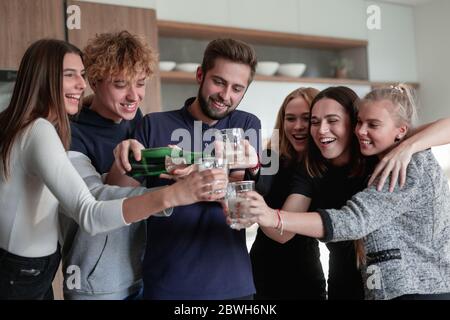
(229, 145)
(236, 195)
(213, 163)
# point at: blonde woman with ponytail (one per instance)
(405, 230)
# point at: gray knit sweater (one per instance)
(406, 233)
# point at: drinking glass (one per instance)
(213, 163)
(229, 144)
(236, 194)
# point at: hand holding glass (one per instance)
(236, 194)
(213, 163)
(229, 145)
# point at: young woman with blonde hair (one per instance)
(296, 262)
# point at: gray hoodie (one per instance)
(105, 266)
(406, 233)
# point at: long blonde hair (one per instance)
(285, 148)
(38, 93)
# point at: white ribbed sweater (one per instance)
(41, 177)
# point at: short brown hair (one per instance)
(230, 49)
(109, 54)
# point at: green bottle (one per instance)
(156, 161)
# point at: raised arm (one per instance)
(395, 163)
(283, 227)
(93, 216)
(366, 212)
(99, 189)
(294, 203)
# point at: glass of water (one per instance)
(213, 163)
(236, 194)
(229, 144)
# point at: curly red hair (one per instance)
(109, 54)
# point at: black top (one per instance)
(96, 136)
(332, 192)
(285, 271)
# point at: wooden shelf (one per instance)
(209, 32)
(186, 77)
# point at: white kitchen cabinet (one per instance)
(332, 18)
(148, 4)
(391, 50)
(196, 11)
(281, 15)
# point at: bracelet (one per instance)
(255, 169)
(279, 226)
(279, 219)
(281, 223)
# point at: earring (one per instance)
(397, 139)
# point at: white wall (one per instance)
(263, 98)
(391, 49)
(149, 4)
(335, 18)
(433, 58)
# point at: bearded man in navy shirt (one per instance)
(194, 254)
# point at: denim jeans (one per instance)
(23, 278)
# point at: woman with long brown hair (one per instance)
(36, 175)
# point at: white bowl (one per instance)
(187, 67)
(166, 65)
(292, 69)
(267, 68)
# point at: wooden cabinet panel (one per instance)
(22, 22)
(98, 18)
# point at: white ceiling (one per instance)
(410, 2)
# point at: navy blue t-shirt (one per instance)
(193, 254)
(96, 136)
